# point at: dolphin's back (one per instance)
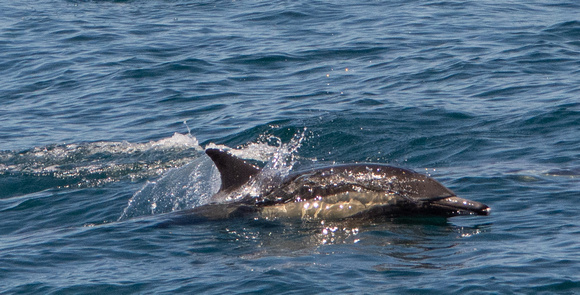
(404, 183)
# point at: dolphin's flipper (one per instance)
(234, 172)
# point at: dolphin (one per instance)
(353, 191)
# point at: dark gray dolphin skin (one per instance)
(334, 193)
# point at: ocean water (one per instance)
(96, 161)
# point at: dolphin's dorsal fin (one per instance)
(234, 171)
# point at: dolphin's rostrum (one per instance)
(335, 193)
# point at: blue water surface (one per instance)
(95, 158)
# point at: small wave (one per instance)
(572, 173)
(569, 29)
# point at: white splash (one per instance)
(96, 163)
(196, 183)
(281, 160)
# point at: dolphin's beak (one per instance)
(455, 206)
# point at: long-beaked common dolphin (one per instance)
(332, 193)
